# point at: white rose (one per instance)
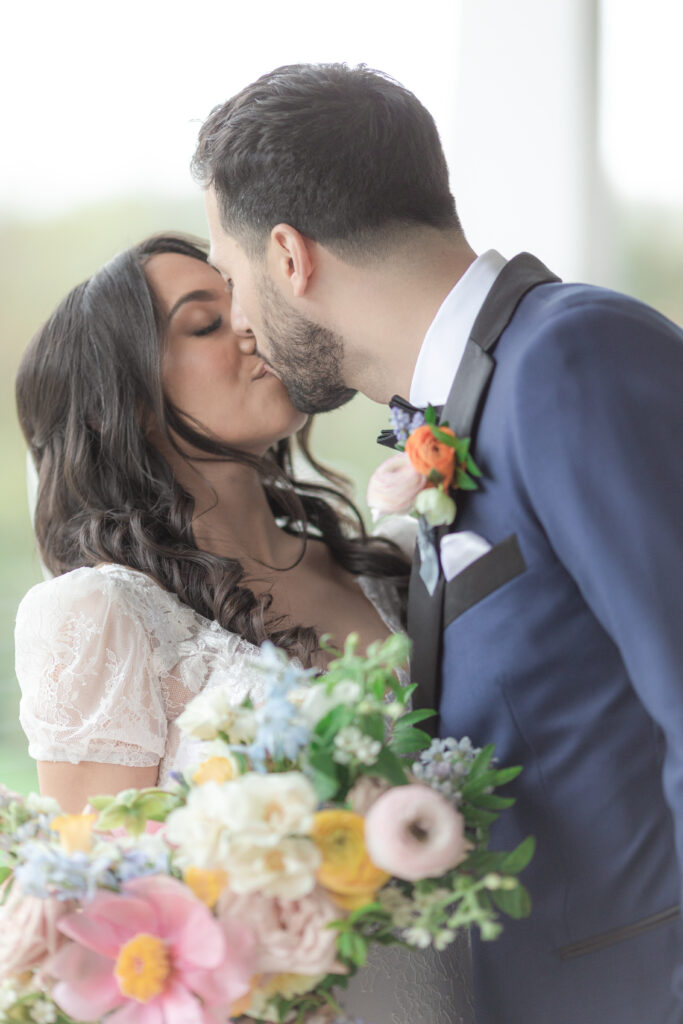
(212, 712)
(314, 702)
(259, 810)
(202, 830)
(286, 870)
(278, 805)
(437, 507)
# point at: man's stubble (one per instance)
(306, 356)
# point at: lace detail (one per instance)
(106, 660)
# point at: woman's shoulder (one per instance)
(91, 593)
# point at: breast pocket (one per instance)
(493, 570)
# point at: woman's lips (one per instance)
(264, 371)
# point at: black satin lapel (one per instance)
(468, 388)
(424, 628)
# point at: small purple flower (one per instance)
(400, 423)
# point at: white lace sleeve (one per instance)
(85, 665)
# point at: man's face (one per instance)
(306, 356)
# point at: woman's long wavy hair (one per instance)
(87, 387)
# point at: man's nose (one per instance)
(239, 322)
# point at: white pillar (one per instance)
(524, 148)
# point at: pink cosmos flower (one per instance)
(413, 832)
(291, 936)
(28, 931)
(152, 953)
(394, 486)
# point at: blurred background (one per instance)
(558, 118)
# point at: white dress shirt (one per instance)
(444, 342)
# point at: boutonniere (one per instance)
(432, 463)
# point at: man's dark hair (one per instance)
(346, 155)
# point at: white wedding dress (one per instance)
(106, 660)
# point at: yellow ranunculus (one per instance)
(346, 869)
(216, 769)
(207, 885)
(74, 831)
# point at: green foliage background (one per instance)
(41, 260)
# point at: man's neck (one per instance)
(388, 309)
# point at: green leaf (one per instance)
(412, 717)
(481, 762)
(491, 802)
(445, 439)
(373, 726)
(504, 775)
(5, 872)
(518, 859)
(515, 902)
(359, 949)
(472, 467)
(407, 741)
(430, 416)
(389, 766)
(100, 802)
(473, 816)
(463, 482)
(370, 908)
(328, 727)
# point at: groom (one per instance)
(555, 628)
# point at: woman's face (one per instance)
(209, 370)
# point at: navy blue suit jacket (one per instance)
(563, 646)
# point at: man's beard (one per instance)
(306, 356)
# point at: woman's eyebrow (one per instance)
(197, 296)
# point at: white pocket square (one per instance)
(460, 549)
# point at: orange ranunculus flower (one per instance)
(346, 869)
(426, 453)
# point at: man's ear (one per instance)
(291, 259)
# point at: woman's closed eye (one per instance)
(210, 328)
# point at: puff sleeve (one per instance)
(85, 664)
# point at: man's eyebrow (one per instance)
(197, 296)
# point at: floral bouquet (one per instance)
(313, 826)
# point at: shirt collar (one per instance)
(445, 340)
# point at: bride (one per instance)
(179, 540)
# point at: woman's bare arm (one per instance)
(72, 784)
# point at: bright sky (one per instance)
(103, 99)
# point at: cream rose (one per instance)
(291, 936)
(28, 931)
(394, 486)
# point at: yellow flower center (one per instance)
(205, 884)
(142, 967)
(274, 860)
(74, 831)
(215, 769)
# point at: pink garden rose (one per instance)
(394, 486)
(28, 931)
(292, 936)
(413, 832)
(151, 953)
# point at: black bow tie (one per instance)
(388, 437)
